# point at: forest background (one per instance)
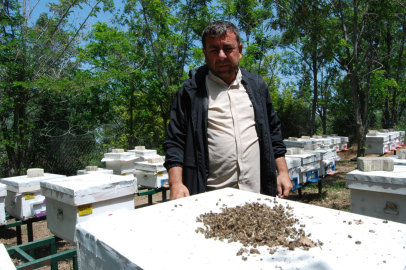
(74, 84)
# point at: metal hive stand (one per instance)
(53, 259)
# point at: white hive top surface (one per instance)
(143, 153)
(112, 238)
(126, 156)
(325, 153)
(150, 167)
(99, 170)
(24, 181)
(79, 185)
(88, 188)
(306, 158)
(344, 139)
(298, 143)
(379, 181)
(334, 140)
(318, 155)
(6, 262)
(398, 161)
(292, 162)
(380, 137)
(326, 140)
(3, 190)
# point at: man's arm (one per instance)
(174, 148)
(178, 189)
(284, 185)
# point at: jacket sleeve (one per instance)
(175, 136)
(279, 148)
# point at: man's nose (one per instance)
(222, 55)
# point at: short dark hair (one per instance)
(219, 28)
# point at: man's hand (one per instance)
(178, 189)
(284, 185)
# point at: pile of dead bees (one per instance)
(256, 224)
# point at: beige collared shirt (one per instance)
(234, 159)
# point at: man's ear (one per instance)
(240, 50)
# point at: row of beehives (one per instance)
(309, 165)
(378, 187)
(94, 192)
(339, 143)
(384, 141)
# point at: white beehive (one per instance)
(299, 143)
(393, 138)
(328, 158)
(402, 138)
(140, 151)
(377, 143)
(24, 199)
(109, 244)
(5, 261)
(317, 141)
(294, 165)
(151, 173)
(75, 199)
(343, 145)
(122, 163)
(93, 170)
(3, 194)
(380, 194)
(398, 161)
(310, 166)
(152, 179)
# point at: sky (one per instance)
(78, 15)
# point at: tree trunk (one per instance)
(131, 109)
(315, 94)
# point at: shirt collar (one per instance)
(219, 81)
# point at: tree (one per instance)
(34, 61)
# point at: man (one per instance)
(223, 130)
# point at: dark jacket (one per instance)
(187, 145)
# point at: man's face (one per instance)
(223, 55)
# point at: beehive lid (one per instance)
(299, 143)
(88, 188)
(150, 167)
(99, 170)
(305, 158)
(3, 190)
(402, 133)
(326, 141)
(397, 161)
(292, 162)
(379, 181)
(317, 154)
(335, 140)
(316, 140)
(111, 239)
(24, 184)
(344, 139)
(326, 153)
(377, 138)
(125, 156)
(143, 153)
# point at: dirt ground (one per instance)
(334, 195)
